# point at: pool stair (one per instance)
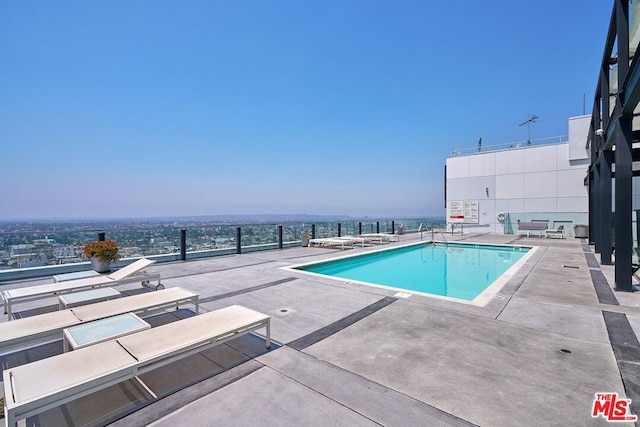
(439, 231)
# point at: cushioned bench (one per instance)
(38, 386)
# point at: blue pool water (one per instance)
(457, 270)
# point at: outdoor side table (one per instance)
(102, 330)
(75, 299)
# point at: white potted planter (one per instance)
(100, 266)
(101, 254)
(581, 231)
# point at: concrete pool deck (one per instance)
(349, 354)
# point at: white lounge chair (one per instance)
(370, 238)
(21, 331)
(38, 386)
(362, 239)
(331, 241)
(130, 273)
(353, 239)
(558, 232)
(384, 236)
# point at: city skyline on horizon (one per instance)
(139, 110)
(223, 217)
(37, 244)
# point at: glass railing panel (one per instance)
(326, 229)
(35, 249)
(291, 232)
(133, 243)
(40, 246)
(210, 239)
(259, 234)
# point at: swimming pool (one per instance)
(456, 270)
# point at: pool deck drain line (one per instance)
(322, 333)
(247, 290)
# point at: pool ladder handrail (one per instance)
(433, 230)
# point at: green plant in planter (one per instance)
(104, 250)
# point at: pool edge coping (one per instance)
(481, 300)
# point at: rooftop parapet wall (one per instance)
(516, 145)
(577, 140)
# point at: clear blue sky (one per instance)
(162, 108)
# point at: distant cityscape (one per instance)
(34, 243)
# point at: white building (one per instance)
(22, 249)
(492, 188)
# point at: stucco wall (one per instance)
(528, 183)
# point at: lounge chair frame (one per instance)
(383, 236)
(47, 325)
(555, 232)
(70, 376)
(128, 274)
(354, 240)
(366, 239)
(335, 241)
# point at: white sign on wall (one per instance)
(464, 211)
(456, 211)
(471, 212)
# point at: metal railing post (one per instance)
(238, 240)
(183, 245)
(279, 237)
(359, 228)
(393, 227)
(377, 226)
(339, 230)
(313, 231)
(101, 236)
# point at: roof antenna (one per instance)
(528, 122)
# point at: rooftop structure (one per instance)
(349, 354)
(493, 188)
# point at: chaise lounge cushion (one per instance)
(35, 387)
(49, 324)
